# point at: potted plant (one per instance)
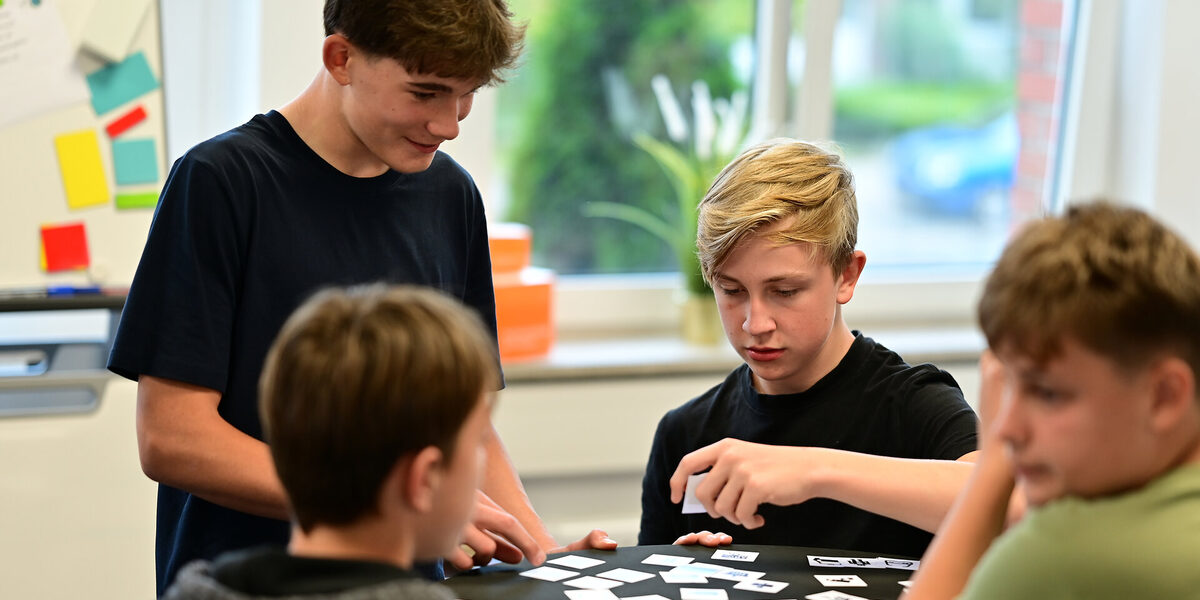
(715, 138)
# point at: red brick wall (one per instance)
(1038, 94)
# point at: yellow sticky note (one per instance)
(81, 168)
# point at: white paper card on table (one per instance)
(907, 583)
(590, 595)
(864, 563)
(626, 575)
(702, 594)
(701, 568)
(737, 575)
(833, 595)
(548, 573)
(761, 585)
(646, 597)
(900, 563)
(588, 582)
(691, 505)
(841, 580)
(676, 576)
(666, 560)
(824, 561)
(575, 562)
(735, 555)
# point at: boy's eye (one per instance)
(787, 293)
(423, 95)
(730, 291)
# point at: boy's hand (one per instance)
(705, 538)
(994, 391)
(745, 475)
(595, 540)
(494, 533)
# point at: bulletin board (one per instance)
(82, 139)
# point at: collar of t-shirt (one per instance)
(835, 379)
(271, 571)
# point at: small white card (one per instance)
(575, 562)
(900, 563)
(590, 595)
(841, 580)
(701, 568)
(851, 561)
(864, 563)
(626, 575)
(677, 576)
(702, 594)
(666, 560)
(761, 585)
(588, 582)
(833, 595)
(824, 561)
(737, 575)
(548, 573)
(907, 583)
(735, 555)
(691, 505)
(647, 597)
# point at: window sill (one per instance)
(667, 355)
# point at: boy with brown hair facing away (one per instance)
(823, 437)
(1090, 410)
(376, 403)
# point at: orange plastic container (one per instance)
(524, 295)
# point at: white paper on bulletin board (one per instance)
(38, 71)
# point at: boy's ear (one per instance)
(422, 479)
(848, 278)
(1174, 393)
(335, 53)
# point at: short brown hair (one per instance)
(461, 39)
(1111, 277)
(775, 181)
(357, 379)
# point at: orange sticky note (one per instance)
(81, 168)
(64, 246)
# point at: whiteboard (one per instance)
(31, 186)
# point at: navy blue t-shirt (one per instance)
(249, 225)
(872, 402)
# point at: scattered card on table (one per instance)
(666, 560)
(575, 562)
(588, 582)
(675, 576)
(590, 595)
(761, 585)
(864, 563)
(833, 595)
(702, 594)
(647, 597)
(907, 583)
(824, 561)
(626, 575)
(841, 580)
(900, 563)
(735, 555)
(737, 575)
(701, 568)
(548, 573)
(691, 505)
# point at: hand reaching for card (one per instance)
(705, 538)
(494, 533)
(595, 540)
(745, 475)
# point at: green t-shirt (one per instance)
(1143, 544)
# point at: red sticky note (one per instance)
(65, 246)
(126, 121)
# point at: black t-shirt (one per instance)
(249, 225)
(872, 402)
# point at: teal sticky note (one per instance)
(134, 161)
(121, 82)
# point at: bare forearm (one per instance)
(976, 520)
(917, 492)
(503, 486)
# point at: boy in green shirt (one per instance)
(1090, 411)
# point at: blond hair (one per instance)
(1110, 277)
(357, 379)
(781, 180)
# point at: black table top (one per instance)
(788, 564)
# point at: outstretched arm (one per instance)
(745, 475)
